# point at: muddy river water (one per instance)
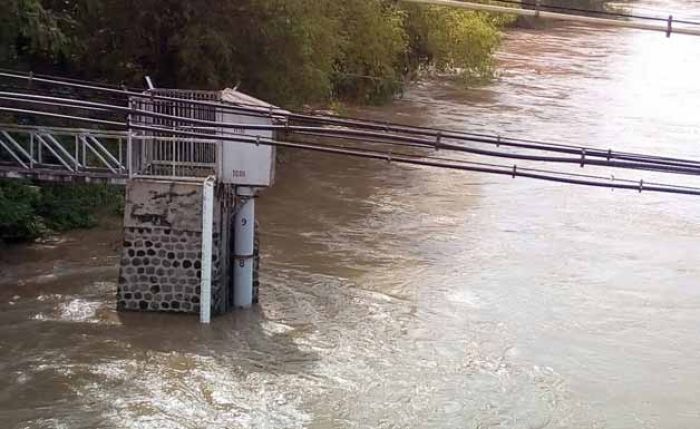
(402, 297)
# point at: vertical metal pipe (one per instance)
(207, 229)
(31, 150)
(121, 159)
(38, 148)
(77, 154)
(129, 154)
(243, 243)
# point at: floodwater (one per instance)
(407, 297)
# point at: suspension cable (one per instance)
(537, 13)
(432, 133)
(461, 165)
(598, 12)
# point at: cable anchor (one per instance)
(583, 157)
(641, 185)
(669, 29)
(515, 170)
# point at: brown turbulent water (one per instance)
(413, 297)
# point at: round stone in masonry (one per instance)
(175, 305)
(150, 252)
(141, 270)
(162, 253)
(148, 243)
(131, 253)
(166, 263)
(126, 261)
(165, 305)
(155, 261)
(143, 278)
(143, 305)
(167, 288)
(150, 270)
(148, 297)
(136, 262)
(137, 295)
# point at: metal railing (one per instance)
(27, 150)
(165, 154)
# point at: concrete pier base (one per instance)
(161, 257)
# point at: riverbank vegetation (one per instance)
(289, 52)
(28, 212)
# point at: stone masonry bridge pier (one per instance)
(189, 242)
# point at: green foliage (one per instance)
(291, 52)
(31, 35)
(454, 40)
(373, 42)
(28, 212)
(18, 219)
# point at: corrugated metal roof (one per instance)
(230, 95)
(233, 96)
